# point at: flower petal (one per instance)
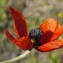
(51, 30)
(24, 43)
(19, 22)
(57, 33)
(49, 25)
(9, 35)
(46, 37)
(51, 46)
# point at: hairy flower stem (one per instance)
(17, 58)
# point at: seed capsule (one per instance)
(35, 34)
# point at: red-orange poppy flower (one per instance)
(44, 38)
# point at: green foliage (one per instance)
(3, 14)
(53, 58)
(33, 22)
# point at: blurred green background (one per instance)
(35, 12)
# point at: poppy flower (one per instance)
(44, 38)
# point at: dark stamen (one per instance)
(35, 34)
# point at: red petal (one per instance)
(49, 25)
(57, 33)
(9, 36)
(51, 30)
(19, 22)
(46, 37)
(51, 46)
(24, 43)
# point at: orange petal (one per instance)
(51, 46)
(19, 22)
(24, 43)
(9, 35)
(49, 25)
(51, 30)
(57, 33)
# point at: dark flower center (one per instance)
(35, 34)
